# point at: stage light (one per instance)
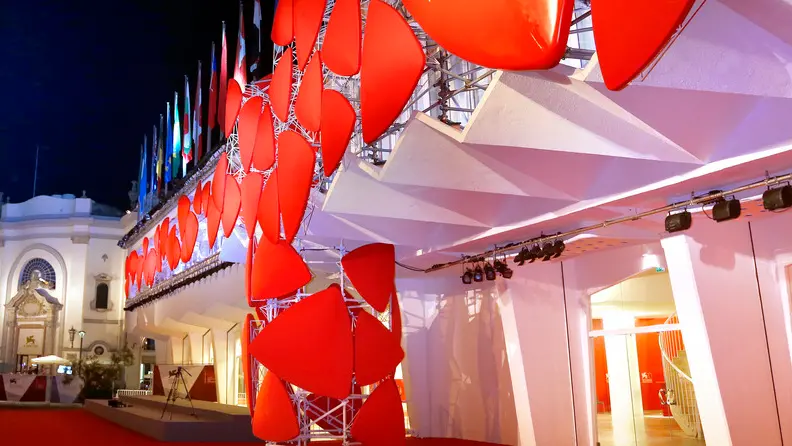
(726, 210)
(678, 222)
(503, 269)
(547, 252)
(521, 257)
(489, 271)
(534, 253)
(779, 198)
(559, 248)
(467, 277)
(478, 274)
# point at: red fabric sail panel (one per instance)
(246, 362)
(212, 223)
(308, 15)
(127, 284)
(625, 45)
(341, 47)
(189, 236)
(145, 245)
(281, 86)
(128, 265)
(164, 231)
(372, 270)
(150, 267)
(338, 123)
(264, 148)
(278, 270)
(296, 159)
(155, 243)
(503, 34)
(251, 250)
(182, 211)
(251, 192)
(248, 125)
(380, 421)
(377, 351)
(269, 211)
(308, 105)
(393, 61)
(139, 270)
(275, 418)
(232, 105)
(310, 345)
(206, 196)
(174, 249)
(219, 182)
(283, 23)
(198, 199)
(232, 203)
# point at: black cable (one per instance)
(412, 268)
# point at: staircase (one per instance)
(680, 394)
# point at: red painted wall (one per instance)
(650, 361)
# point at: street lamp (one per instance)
(72, 332)
(82, 337)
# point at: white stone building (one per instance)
(60, 268)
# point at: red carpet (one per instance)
(78, 427)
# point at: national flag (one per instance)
(177, 136)
(197, 115)
(143, 178)
(240, 68)
(153, 186)
(223, 81)
(187, 134)
(160, 155)
(212, 94)
(168, 147)
(257, 25)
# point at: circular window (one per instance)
(99, 350)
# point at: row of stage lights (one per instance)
(722, 210)
(490, 271)
(773, 199)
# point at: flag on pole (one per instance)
(168, 148)
(177, 136)
(240, 68)
(160, 155)
(153, 186)
(223, 81)
(187, 134)
(197, 115)
(257, 25)
(143, 178)
(212, 100)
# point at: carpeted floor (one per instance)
(78, 427)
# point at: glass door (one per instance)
(644, 396)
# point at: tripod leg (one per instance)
(189, 398)
(167, 400)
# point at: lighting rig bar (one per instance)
(773, 200)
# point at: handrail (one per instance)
(665, 355)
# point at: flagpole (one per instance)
(35, 171)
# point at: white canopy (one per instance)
(50, 360)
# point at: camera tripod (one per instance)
(177, 378)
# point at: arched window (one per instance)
(44, 268)
(102, 296)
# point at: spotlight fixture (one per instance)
(521, 257)
(478, 274)
(467, 277)
(559, 248)
(678, 222)
(503, 269)
(489, 271)
(547, 252)
(534, 253)
(726, 210)
(779, 198)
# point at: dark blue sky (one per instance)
(87, 79)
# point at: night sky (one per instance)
(86, 80)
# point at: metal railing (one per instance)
(680, 392)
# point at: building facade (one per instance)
(60, 269)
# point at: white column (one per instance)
(624, 381)
(220, 364)
(715, 290)
(532, 312)
(175, 345)
(196, 344)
